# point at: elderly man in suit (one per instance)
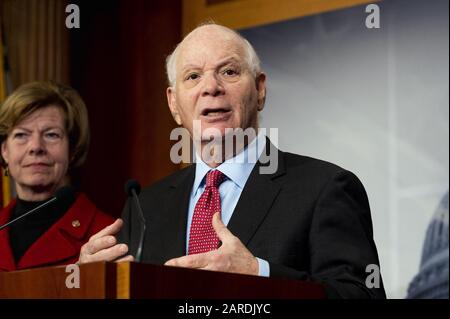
(307, 219)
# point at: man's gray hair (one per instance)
(252, 58)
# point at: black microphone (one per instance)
(65, 193)
(132, 188)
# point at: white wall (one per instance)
(374, 101)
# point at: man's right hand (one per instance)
(103, 246)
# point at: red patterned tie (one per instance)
(202, 237)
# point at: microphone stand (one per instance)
(143, 222)
(51, 200)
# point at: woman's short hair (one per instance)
(35, 95)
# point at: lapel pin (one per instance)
(76, 223)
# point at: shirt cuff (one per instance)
(264, 268)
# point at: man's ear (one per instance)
(261, 88)
(172, 102)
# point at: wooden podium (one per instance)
(145, 281)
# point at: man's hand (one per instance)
(103, 246)
(232, 256)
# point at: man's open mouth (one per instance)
(215, 112)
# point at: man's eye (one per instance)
(229, 72)
(193, 76)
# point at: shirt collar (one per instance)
(237, 168)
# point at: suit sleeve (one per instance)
(340, 241)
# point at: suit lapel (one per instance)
(257, 197)
(60, 241)
(173, 235)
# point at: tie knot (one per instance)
(214, 178)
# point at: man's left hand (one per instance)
(231, 256)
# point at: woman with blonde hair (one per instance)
(44, 136)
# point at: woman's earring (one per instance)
(6, 170)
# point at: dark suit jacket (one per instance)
(310, 220)
(61, 243)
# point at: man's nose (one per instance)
(212, 85)
(37, 145)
